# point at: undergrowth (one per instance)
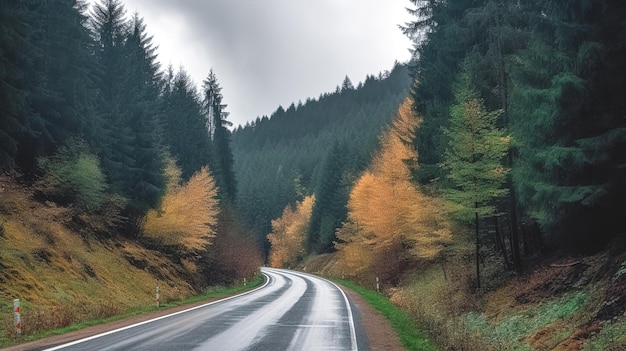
(509, 332)
(611, 337)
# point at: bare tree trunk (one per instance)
(500, 243)
(477, 253)
(517, 261)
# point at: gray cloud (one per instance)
(273, 52)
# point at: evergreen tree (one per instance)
(14, 52)
(183, 123)
(60, 79)
(473, 159)
(109, 28)
(442, 39)
(218, 124)
(144, 181)
(569, 172)
(347, 84)
(329, 209)
(128, 91)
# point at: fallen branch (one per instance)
(565, 264)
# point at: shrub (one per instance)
(73, 176)
(188, 214)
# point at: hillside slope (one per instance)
(69, 272)
(563, 302)
(279, 159)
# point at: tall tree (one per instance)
(566, 80)
(61, 83)
(329, 210)
(128, 92)
(15, 49)
(442, 39)
(109, 27)
(183, 122)
(390, 220)
(473, 159)
(144, 179)
(218, 124)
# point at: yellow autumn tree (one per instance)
(188, 212)
(289, 232)
(390, 219)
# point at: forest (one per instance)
(487, 173)
(498, 183)
(90, 121)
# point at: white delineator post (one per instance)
(158, 296)
(17, 320)
(377, 285)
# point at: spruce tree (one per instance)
(217, 124)
(329, 210)
(183, 123)
(144, 181)
(128, 87)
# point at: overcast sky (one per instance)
(267, 53)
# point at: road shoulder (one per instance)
(379, 333)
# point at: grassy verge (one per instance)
(403, 324)
(213, 293)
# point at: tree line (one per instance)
(540, 82)
(514, 128)
(71, 73)
(316, 147)
(90, 117)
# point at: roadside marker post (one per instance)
(158, 296)
(17, 320)
(245, 283)
(377, 285)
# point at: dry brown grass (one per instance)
(62, 277)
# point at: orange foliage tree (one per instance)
(188, 212)
(289, 232)
(390, 220)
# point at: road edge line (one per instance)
(79, 341)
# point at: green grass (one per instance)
(217, 292)
(403, 324)
(611, 337)
(509, 331)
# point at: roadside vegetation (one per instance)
(211, 294)
(66, 273)
(402, 322)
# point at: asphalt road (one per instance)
(292, 311)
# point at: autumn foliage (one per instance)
(188, 212)
(391, 222)
(289, 232)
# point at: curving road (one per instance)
(292, 311)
